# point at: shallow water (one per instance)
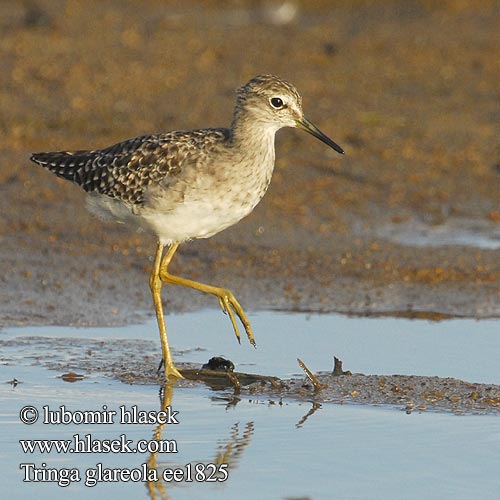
(273, 450)
(479, 233)
(462, 348)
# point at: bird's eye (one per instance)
(276, 102)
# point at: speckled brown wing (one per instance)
(125, 170)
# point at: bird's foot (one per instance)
(170, 371)
(230, 305)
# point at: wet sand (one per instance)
(409, 91)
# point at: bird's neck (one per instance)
(252, 134)
(252, 142)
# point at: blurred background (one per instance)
(409, 89)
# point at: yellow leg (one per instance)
(227, 300)
(155, 284)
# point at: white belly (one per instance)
(200, 214)
(194, 220)
(200, 207)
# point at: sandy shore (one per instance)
(411, 93)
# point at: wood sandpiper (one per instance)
(190, 184)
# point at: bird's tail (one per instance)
(64, 164)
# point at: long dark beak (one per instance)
(310, 128)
